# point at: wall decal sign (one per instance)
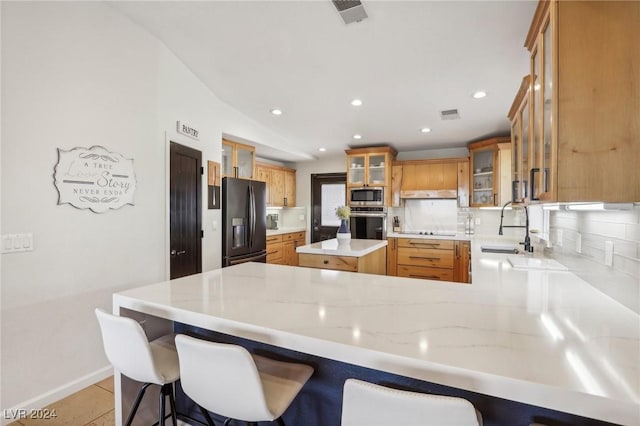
(188, 130)
(94, 178)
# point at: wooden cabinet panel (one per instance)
(281, 184)
(289, 188)
(340, 263)
(425, 257)
(462, 260)
(290, 242)
(392, 256)
(275, 249)
(426, 243)
(463, 183)
(425, 273)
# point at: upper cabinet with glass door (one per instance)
(490, 172)
(238, 160)
(519, 116)
(584, 131)
(370, 167)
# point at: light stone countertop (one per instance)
(545, 338)
(353, 248)
(283, 230)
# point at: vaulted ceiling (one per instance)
(407, 62)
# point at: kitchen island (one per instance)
(366, 256)
(545, 341)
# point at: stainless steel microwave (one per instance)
(367, 196)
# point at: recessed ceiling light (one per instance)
(357, 136)
(479, 94)
(322, 149)
(276, 111)
(425, 130)
(356, 102)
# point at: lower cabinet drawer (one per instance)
(340, 263)
(425, 273)
(275, 253)
(425, 257)
(293, 236)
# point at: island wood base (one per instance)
(372, 263)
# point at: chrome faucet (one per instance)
(527, 240)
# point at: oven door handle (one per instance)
(359, 214)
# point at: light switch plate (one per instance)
(14, 243)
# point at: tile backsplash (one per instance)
(289, 217)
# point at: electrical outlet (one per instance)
(477, 221)
(559, 237)
(579, 243)
(608, 253)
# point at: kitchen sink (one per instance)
(536, 263)
(499, 249)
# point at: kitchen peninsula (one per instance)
(356, 255)
(522, 346)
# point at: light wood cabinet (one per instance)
(281, 249)
(238, 160)
(290, 242)
(392, 256)
(432, 259)
(440, 178)
(371, 167)
(372, 263)
(280, 183)
(582, 103)
(490, 176)
(461, 270)
(275, 249)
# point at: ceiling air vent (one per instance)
(450, 114)
(350, 10)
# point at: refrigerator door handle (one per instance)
(252, 213)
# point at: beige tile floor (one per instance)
(92, 406)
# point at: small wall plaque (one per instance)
(94, 178)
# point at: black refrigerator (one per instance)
(244, 218)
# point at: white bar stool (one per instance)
(368, 404)
(227, 380)
(131, 353)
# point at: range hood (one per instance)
(429, 194)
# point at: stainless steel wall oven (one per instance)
(368, 223)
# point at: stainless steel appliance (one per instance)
(272, 221)
(366, 196)
(368, 223)
(244, 231)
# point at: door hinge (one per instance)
(201, 233)
(202, 171)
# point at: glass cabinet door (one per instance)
(227, 159)
(547, 84)
(515, 161)
(357, 169)
(376, 169)
(536, 124)
(482, 167)
(245, 162)
(524, 148)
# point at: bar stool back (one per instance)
(130, 352)
(228, 380)
(368, 404)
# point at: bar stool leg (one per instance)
(172, 404)
(206, 415)
(163, 394)
(136, 404)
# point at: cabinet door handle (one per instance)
(285, 201)
(326, 262)
(423, 244)
(428, 277)
(532, 176)
(424, 258)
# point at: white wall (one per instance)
(79, 74)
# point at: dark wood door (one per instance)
(328, 191)
(185, 184)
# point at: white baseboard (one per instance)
(11, 414)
